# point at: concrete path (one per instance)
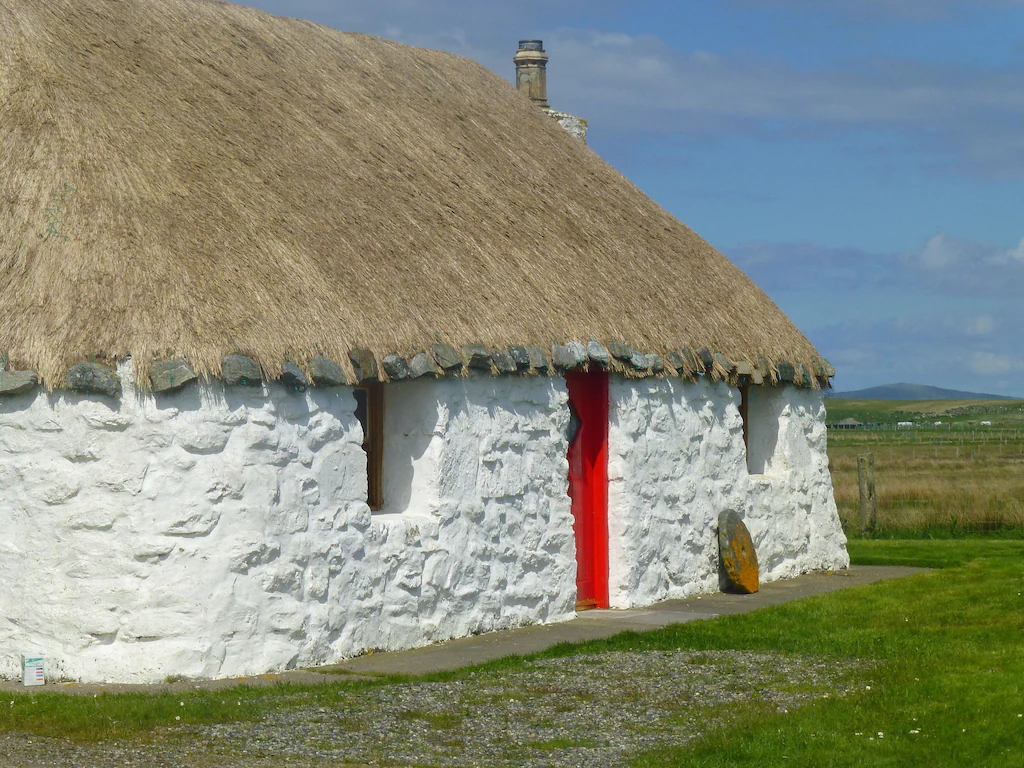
(589, 625)
(593, 625)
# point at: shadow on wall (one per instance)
(413, 420)
(765, 410)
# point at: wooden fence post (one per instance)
(868, 500)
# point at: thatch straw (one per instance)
(241, 182)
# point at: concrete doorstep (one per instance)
(468, 651)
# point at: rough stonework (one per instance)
(16, 382)
(737, 553)
(676, 459)
(93, 379)
(422, 365)
(325, 372)
(364, 364)
(170, 375)
(396, 367)
(598, 354)
(503, 361)
(216, 532)
(564, 358)
(576, 126)
(241, 371)
(538, 360)
(520, 357)
(638, 361)
(446, 356)
(293, 378)
(477, 357)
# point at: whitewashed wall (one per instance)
(677, 459)
(224, 532)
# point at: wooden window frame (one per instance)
(745, 416)
(373, 443)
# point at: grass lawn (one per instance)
(946, 685)
(949, 686)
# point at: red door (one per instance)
(588, 484)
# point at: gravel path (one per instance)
(592, 710)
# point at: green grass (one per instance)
(945, 651)
(949, 651)
(114, 717)
(436, 720)
(999, 412)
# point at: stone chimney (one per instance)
(532, 81)
(532, 71)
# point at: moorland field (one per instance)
(948, 471)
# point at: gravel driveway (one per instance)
(594, 710)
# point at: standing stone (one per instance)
(16, 382)
(325, 372)
(422, 365)
(364, 363)
(239, 370)
(93, 379)
(446, 356)
(598, 354)
(503, 361)
(396, 368)
(521, 357)
(477, 356)
(739, 558)
(170, 375)
(293, 377)
(538, 360)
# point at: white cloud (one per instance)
(948, 313)
(993, 364)
(982, 325)
(912, 9)
(940, 252)
(967, 115)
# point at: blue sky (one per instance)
(861, 160)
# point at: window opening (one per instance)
(761, 409)
(745, 415)
(370, 413)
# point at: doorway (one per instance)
(588, 484)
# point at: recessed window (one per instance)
(370, 412)
(761, 408)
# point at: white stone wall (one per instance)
(220, 532)
(677, 459)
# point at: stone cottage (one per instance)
(315, 343)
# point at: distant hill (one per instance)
(914, 392)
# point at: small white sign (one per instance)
(32, 670)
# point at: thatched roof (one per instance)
(198, 178)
